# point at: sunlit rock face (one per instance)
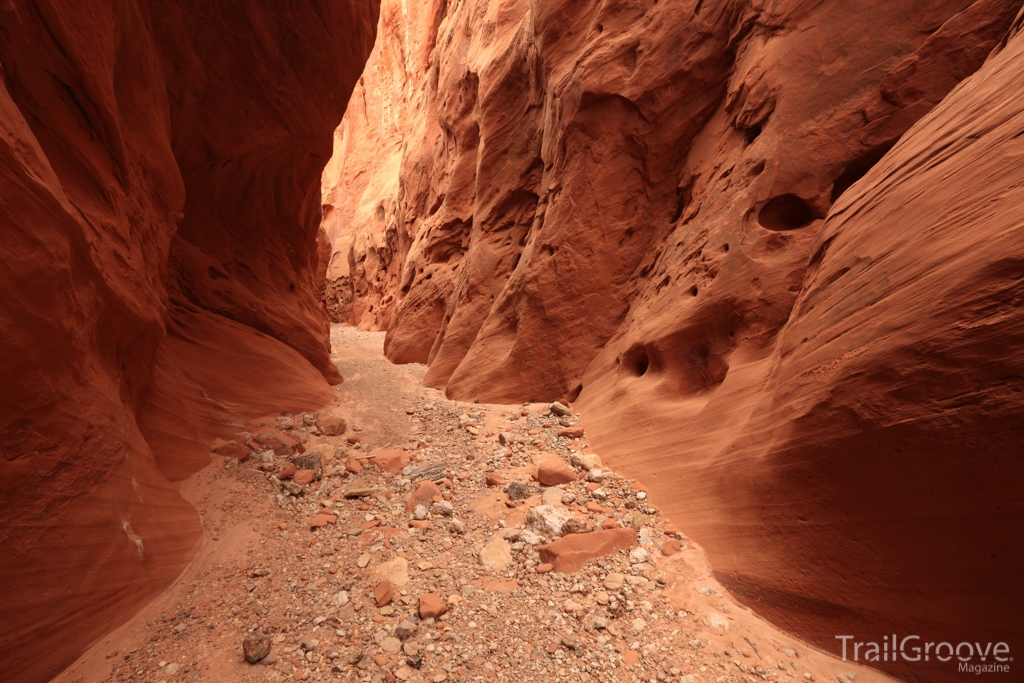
(158, 191)
(766, 248)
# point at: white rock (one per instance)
(444, 508)
(595, 475)
(533, 538)
(715, 623)
(638, 555)
(547, 519)
(341, 599)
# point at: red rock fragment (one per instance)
(431, 606)
(568, 553)
(278, 441)
(671, 546)
(287, 472)
(390, 460)
(423, 495)
(331, 422)
(322, 520)
(232, 449)
(495, 479)
(571, 432)
(383, 593)
(304, 477)
(552, 472)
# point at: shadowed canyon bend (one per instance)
(772, 252)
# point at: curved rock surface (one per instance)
(707, 224)
(151, 152)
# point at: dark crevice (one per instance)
(856, 170)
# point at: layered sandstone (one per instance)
(158, 174)
(677, 214)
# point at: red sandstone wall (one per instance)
(150, 152)
(862, 472)
(626, 203)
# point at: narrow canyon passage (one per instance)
(338, 577)
(601, 340)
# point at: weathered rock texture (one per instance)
(676, 214)
(158, 192)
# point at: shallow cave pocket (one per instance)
(785, 212)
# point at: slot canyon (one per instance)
(478, 340)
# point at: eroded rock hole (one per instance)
(693, 291)
(641, 364)
(752, 133)
(757, 170)
(785, 212)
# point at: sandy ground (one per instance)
(263, 568)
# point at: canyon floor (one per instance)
(347, 585)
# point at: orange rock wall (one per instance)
(672, 213)
(151, 152)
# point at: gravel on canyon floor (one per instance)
(489, 545)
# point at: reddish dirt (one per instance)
(264, 566)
